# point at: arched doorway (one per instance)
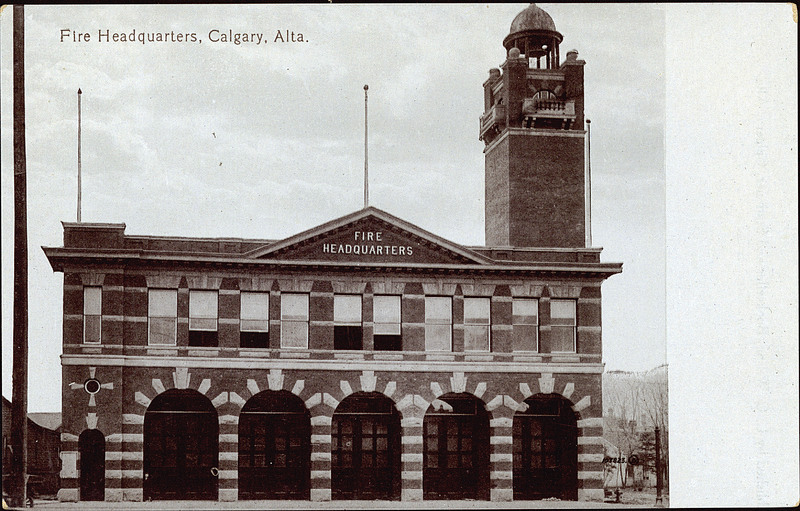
(92, 447)
(181, 454)
(365, 448)
(274, 447)
(456, 448)
(546, 449)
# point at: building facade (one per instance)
(365, 358)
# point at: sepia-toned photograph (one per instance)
(346, 256)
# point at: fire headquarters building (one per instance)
(365, 358)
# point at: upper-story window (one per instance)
(477, 324)
(203, 315)
(294, 320)
(438, 323)
(563, 326)
(347, 333)
(92, 319)
(386, 323)
(162, 316)
(254, 320)
(544, 95)
(525, 321)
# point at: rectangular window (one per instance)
(386, 323)
(254, 320)
(294, 320)
(162, 316)
(525, 321)
(347, 333)
(476, 324)
(438, 323)
(203, 318)
(92, 305)
(563, 326)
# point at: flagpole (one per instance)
(589, 183)
(366, 166)
(79, 155)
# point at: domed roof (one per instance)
(532, 18)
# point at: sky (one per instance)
(266, 140)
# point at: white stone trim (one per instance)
(501, 422)
(321, 420)
(412, 366)
(591, 422)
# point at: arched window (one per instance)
(543, 95)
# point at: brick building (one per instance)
(365, 358)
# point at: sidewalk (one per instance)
(348, 504)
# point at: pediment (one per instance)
(369, 236)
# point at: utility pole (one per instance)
(19, 395)
(79, 156)
(659, 499)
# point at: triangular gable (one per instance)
(369, 235)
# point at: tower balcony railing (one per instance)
(548, 109)
(493, 121)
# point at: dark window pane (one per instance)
(347, 338)
(388, 342)
(202, 338)
(254, 339)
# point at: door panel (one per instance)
(274, 452)
(365, 450)
(455, 449)
(181, 435)
(92, 445)
(545, 450)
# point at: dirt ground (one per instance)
(646, 497)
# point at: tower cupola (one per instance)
(534, 34)
(533, 130)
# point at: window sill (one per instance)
(164, 352)
(387, 356)
(440, 356)
(349, 356)
(295, 354)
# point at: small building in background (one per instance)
(44, 448)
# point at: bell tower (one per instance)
(533, 130)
